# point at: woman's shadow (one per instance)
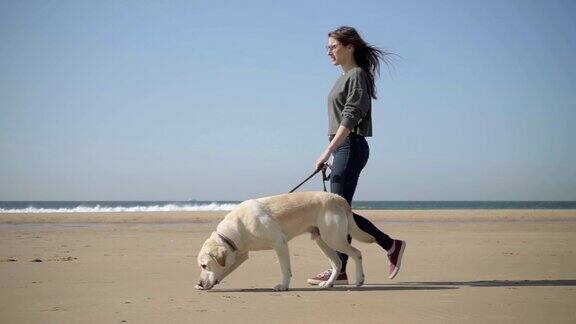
(495, 283)
(423, 285)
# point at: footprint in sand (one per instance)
(68, 258)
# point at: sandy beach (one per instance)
(460, 266)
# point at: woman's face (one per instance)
(337, 52)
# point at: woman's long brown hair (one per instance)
(367, 56)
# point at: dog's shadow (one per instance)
(428, 285)
(339, 288)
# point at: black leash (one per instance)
(324, 177)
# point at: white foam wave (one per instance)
(99, 209)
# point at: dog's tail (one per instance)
(355, 231)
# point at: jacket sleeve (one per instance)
(357, 101)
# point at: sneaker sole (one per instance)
(397, 269)
(315, 282)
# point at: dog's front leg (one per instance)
(281, 249)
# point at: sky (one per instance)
(226, 100)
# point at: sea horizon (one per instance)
(71, 206)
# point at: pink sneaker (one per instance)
(395, 257)
(324, 276)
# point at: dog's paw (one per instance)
(280, 287)
(325, 284)
(199, 287)
(360, 282)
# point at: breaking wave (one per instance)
(116, 209)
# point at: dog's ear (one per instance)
(219, 256)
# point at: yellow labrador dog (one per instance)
(269, 223)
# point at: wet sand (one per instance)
(473, 266)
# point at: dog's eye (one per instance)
(203, 266)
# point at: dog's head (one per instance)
(215, 260)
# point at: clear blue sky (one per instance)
(138, 100)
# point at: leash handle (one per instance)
(324, 177)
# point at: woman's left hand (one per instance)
(322, 159)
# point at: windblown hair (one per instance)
(367, 56)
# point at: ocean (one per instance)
(156, 206)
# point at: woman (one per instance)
(349, 116)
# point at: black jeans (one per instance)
(349, 160)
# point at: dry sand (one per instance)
(471, 266)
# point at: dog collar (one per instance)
(228, 241)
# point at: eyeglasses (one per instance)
(331, 48)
